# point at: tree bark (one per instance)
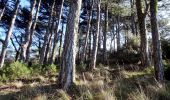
(61, 38)
(143, 37)
(96, 38)
(67, 68)
(118, 33)
(157, 53)
(105, 34)
(8, 36)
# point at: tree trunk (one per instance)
(61, 38)
(8, 36)
(105, 33)
(28, 33)
(132, 17)
(67, 68)
(88, 31)
(49, 43)
(159, 73)
(2, 11)
(32, 31)
(143, 37)
(95, 44)
(46, 37)
(118, 33)
(53, 55)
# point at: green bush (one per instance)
(43, 69)
(15, 70)
(52, 69)
(36, 69)
(149, 70)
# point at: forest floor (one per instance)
(101, 84)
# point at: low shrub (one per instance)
(15, 70)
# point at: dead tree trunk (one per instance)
(8, 36)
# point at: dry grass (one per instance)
(101, 84)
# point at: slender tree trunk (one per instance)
(157, 53)
(49, 43)
(118, 33)
(53, 55)
(132, 16)
(28, 33)
(48, 48)
(67, 69)
(89, 45)
(8, 36)
(32, 31)
(95, 45)
(105, 33)
(3, 10)
(61, 38)
(46, 37)
(16, 50)
(88, 31)
(143, 37)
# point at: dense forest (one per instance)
(84, 50)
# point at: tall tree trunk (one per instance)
(132, 17)
(88, 31)
(159, 73)
(49, 43)
(28, 33)
(95, 44)
(54, 49)
(61, 38)
(3, 10)
(143, 37)
(8, 36)
(67, 69)
(118, 33)
(105, 33)
(32, 31)
(46, 37)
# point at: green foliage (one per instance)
(15, 70)
(81, 67)
(133, 43)
(36, 69)
(149, 70)
(52, 69)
